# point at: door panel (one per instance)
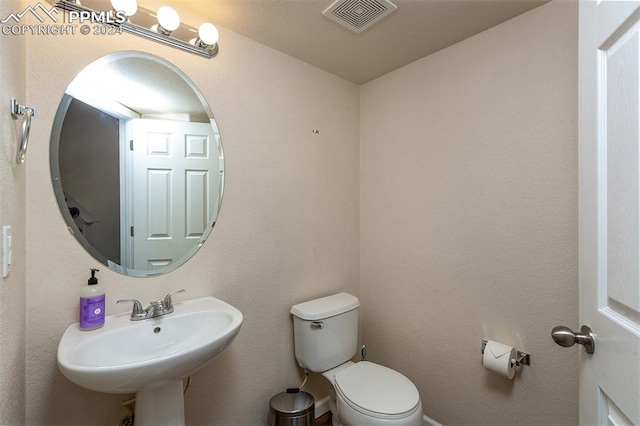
(609, 149)
(170, 186)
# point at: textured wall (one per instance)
(12, 205)
(287, 230)
(469, 219)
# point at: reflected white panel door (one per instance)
(172, 178)
(609, 149)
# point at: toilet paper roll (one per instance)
(497, 357)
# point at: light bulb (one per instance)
(168, 18)
(208, 34)
(129, 7)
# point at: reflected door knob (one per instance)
(564, 336)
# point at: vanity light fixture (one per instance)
(128, 7)
(163, 26)
(207, 38)
(168, 21)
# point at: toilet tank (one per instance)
(325, 331)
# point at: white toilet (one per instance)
(364, 393)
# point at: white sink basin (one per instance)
(127, 356)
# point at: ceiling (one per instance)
(132, 84)
(298, 28)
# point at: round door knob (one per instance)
(564, 336)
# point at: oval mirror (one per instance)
(137, 163)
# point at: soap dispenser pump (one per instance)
(92, 304)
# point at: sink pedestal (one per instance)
(160, 405)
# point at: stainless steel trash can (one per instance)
(292, 409)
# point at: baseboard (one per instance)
(322, 406)
(428, 421)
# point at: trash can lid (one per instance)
(292, 403)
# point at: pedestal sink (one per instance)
(150, 357)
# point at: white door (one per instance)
(609, 210)
(172, 174)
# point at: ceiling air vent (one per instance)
(358, 15)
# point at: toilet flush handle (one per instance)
(317, 325)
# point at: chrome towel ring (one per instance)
(28, 112)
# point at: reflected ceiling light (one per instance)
(163, 26)
(168, 21)
(207, 37)
(129, 7)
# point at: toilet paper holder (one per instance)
(522, 358)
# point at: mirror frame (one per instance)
(54, 145)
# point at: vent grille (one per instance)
(358, 15)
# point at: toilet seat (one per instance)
(377, 391)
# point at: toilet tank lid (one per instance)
(325, 307)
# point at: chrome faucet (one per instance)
(156, 308)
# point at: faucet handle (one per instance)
(138, 310)
(168, 303)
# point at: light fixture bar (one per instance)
(168, 40)
(140, 24)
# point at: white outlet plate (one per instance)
(7, 250)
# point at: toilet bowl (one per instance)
(363, 393)
(371, 394)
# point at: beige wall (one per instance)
(12, 204)
(287, 230)
(469, 219)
